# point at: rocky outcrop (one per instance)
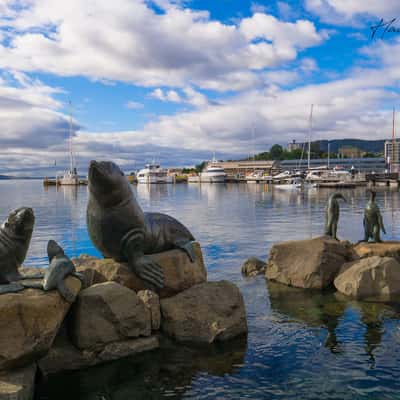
(63, 356)
(384, 249)
(152, 303)
(312, 263)
(372, 278)
(106, 313)
(211, 311)
(253, 266)
(179, 272)
(29, 323)
(18, 384)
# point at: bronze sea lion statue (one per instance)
(15, 237)
(373, 222)
(332, 215)
(60, 267)
(120, 229)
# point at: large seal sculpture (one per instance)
(60, 267)
(15, 237)
(121, 230)
(332, 215)
(373, 222)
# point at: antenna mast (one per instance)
(393, 145)
(309, 136)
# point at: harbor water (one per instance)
(300, 345)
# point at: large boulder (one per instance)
(372, 278)
(384, 249)
(311, 263)
(18, 384)
(253, 266)
(108, 312)
(179, 272)
(29, 323)
(63, 356)
(152, 303)
(211, 311)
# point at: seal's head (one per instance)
(339, 196)
(108, 184)
(20, 223)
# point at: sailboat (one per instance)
(70, 176)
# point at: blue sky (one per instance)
(178, 80)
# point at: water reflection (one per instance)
(327, 310)
(168, 372)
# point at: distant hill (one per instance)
(2, 177)
(370, 146)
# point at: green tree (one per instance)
(276, 152)
(200, 167)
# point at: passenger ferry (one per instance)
(213, 174)
(153, 173)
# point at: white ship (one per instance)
(153, 173)
(213, 173)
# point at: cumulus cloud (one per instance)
(174, 48)
(169, 95)
(342, 12)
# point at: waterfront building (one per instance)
(368, 165)
(294, 146)
(350, 152)
(242, 168)
(394, 160)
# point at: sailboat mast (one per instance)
(71, 154)
(309, 137)
(393, 146)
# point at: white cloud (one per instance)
(133, 105)
(176, 48)
(168, 96)
(344, 12)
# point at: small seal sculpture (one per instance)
(15, 237)
(60, 266)
(373, 222)
(332, 215)
(121, 230)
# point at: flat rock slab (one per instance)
(311, 264)
(179, 272)
(384, 249)
(63, 356)
(106, 313)
(208, 312)
(18, 384)
(152, 303)
(29, 323)
(372, 278)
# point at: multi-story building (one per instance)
(350, 152)
(393, 161)
(294, 146)
(242, 168)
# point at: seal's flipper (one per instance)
(187, 247)
(65, 292)
(11, 288)
(25, 277)
(54, 249)
(148, 270)
(79, 275)
(32, 285)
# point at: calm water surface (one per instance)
(301, 345)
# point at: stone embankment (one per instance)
(114, 315)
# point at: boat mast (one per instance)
(71, 154)
(393, 146)
(309, 137)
